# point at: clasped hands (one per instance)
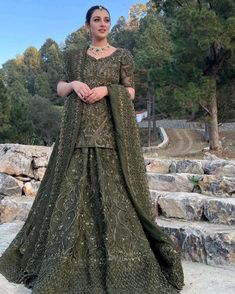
(89, 95)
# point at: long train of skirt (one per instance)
(92, 242)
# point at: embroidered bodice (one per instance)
(96, 124)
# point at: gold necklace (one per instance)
(98, 50)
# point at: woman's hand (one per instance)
(81, 89)
(65, 88)
(131, 92)
(96, 94)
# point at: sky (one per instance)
(25, 23)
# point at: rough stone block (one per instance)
(202, 242)
(14, 208)
(170, 182)
(220, 186)
(9, 186)
(187, 166)
(30, 188)
(159, 166)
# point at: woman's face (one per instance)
(99, 25)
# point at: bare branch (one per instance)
(205, 108)
(179, 3)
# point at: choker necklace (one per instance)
(98, 50)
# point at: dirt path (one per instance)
(183, 142)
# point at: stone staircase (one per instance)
(194, 199)
(195, 204)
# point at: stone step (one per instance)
(14, 208)
(202, 242)
(218, 167)
(170, 182)
(217, 186)
(194, 206)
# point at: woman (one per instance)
(91, 227)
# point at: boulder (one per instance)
(218, 186)
(30, 188)
(180, 205)
(19, 159)
(227, 170)
(220, 211)
(210, 156)
(40, 161)
(39, 173)
(14, 208)
(219, 167)
(170, 182)
(187, 166)
(202, 242)
(194, 206)
(9, 186)
(159, 166)
(14, 163)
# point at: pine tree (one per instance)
(5, 110)
(203, 33)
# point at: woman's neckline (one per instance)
(97, 59)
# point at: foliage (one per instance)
(45, 118)
(22, 130)
(5, 111)
(184, 53)
(51, 65)
(203, 34)
(196, 183)
(151, 51)
(77, 39)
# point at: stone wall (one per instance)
(22, 168)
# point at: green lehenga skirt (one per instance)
(91, 240)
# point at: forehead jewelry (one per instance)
(100, 7)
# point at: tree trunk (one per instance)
(149, 118)
(213, 127)
(154, 116)
(207, 127)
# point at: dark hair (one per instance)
(91, 10)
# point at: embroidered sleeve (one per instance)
(70, 65)
(127, 69)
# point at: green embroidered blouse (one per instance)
(96, 125)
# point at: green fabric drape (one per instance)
(133, 168)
